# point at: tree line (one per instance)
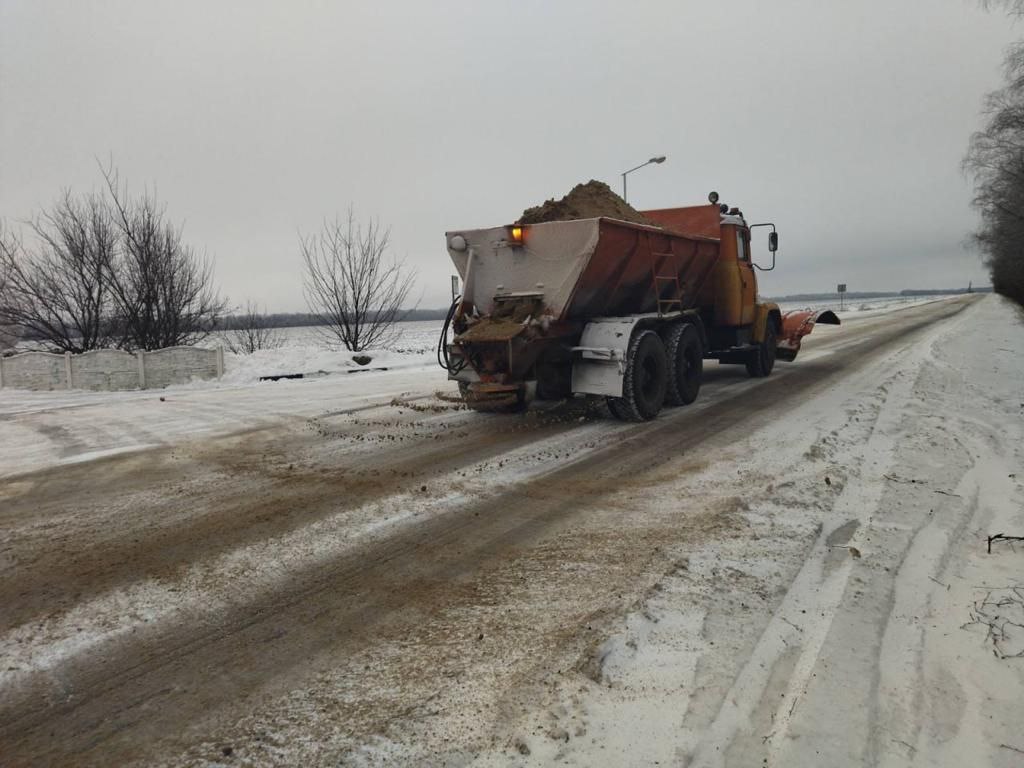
(995, 160)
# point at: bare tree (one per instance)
(8, 245)
(59, 291)
(250, 332)
(9, 334)
(7, 241)
(164, 291)
(351, 286)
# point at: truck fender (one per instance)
(766, 312)
(599, 362)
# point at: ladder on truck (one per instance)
(674, 301)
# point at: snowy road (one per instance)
(350, 570)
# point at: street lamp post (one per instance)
(660, 159)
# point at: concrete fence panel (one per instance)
(34, 370)
(104, 369)
(177, 365)
(111, 369)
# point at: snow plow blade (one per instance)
(797, 324)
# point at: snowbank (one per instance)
(311, 361)
(312, 352)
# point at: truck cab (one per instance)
(735, 320)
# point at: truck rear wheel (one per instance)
(685, 364)
(762, 360)
(645, 381)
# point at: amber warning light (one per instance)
(517, 235)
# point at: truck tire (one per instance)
(762, 360)
(685, 364)
(645, 381)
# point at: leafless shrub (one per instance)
(1001, 613)
(58, 291)
(251, 333)
(351, 287)
(163, 289)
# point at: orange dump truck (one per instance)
(611, 308)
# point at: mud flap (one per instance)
(592, 377)
(797, 324)
(599, 362)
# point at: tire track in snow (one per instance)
(818, 589)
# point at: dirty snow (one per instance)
(831, 601)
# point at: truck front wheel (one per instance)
(762, 359)
(645, 381)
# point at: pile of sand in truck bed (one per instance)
(585, 201)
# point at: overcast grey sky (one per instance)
(843, 122)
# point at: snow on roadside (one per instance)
(862, 558)
(42, 429)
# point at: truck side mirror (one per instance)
(773, 241)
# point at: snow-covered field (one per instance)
(863, 307)
(310, 350)
(313, 351)
(350, 569)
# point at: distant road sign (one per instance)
(841, 288)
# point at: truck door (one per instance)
(748, 282)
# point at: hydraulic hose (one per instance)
(443, 359)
